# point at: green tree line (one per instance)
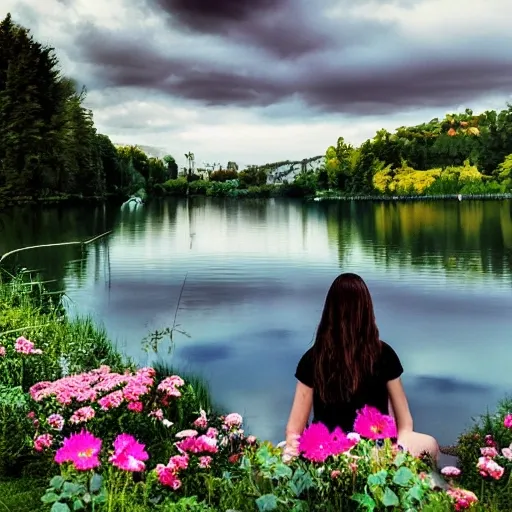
(461, 153)
(49, 145)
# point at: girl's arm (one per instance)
(400, 406)
(299, 416)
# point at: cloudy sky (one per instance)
(265, 80)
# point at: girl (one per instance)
(349, 367)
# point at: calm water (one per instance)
(256, 276)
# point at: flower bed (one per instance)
(119, 441)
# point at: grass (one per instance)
(21, 494)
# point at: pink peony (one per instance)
(251, 440)
(56, 421)
(489, 451)
(507, 422)
(335, 473)
(81, 449)
(2, 351)
(233, 420)
(507, 452)
(315, 443)
(198, 445)
(129, 454)
(489, 467)
(212, 432)
(178, 462)
(186, 433)
(168, 477)
(43, 441)
(202, 421)
(82, 415)
(205, 461)
(462, 499)
(450, 471)
(372, 424)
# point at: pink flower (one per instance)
(135, 406)
(82, 415)
(462, 499)
(2, 351)
(335, 473)
(56, 421)
(81, 449)
(198, 445)
(450, 471)
(507, 422)
(507, 452)
(158, 414)
(169, 386)
(178, 462)
(129, 454)
(489, 451)
(202, 421)
(205, 461)
(489, 441)
(43, 441)
(251, 440)
(186, 433)
(372, 424)
(233, 420)
(212, 432)
(24, 346)
(315, 443)
(111, 401)
(167, 476)
(489, 467)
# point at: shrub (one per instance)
(177, 187)
(199, 187)
(485, 457)
(223, 175)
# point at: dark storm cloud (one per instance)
(251, 54)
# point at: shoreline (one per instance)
(74, 200)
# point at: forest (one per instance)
(50, 149)
(49, 146)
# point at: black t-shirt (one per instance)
(372, 391)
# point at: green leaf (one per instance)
(403, 476)
(390, 499)
(56, 482)
(59, 507)
(78, 505)
(300, 482)
(400, 458)
(245, 463)
(377, 479)
(95, 483)
(416, 492)
(70, 488)
(365, 501)
(282, 471)
(50, 497)
(266, 503)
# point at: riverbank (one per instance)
(113, 396)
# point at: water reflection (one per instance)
(256, 276)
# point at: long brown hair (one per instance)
(347, 342)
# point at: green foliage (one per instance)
(49, 146)
(223, 175)
(487, 430)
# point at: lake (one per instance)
(256, 273)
